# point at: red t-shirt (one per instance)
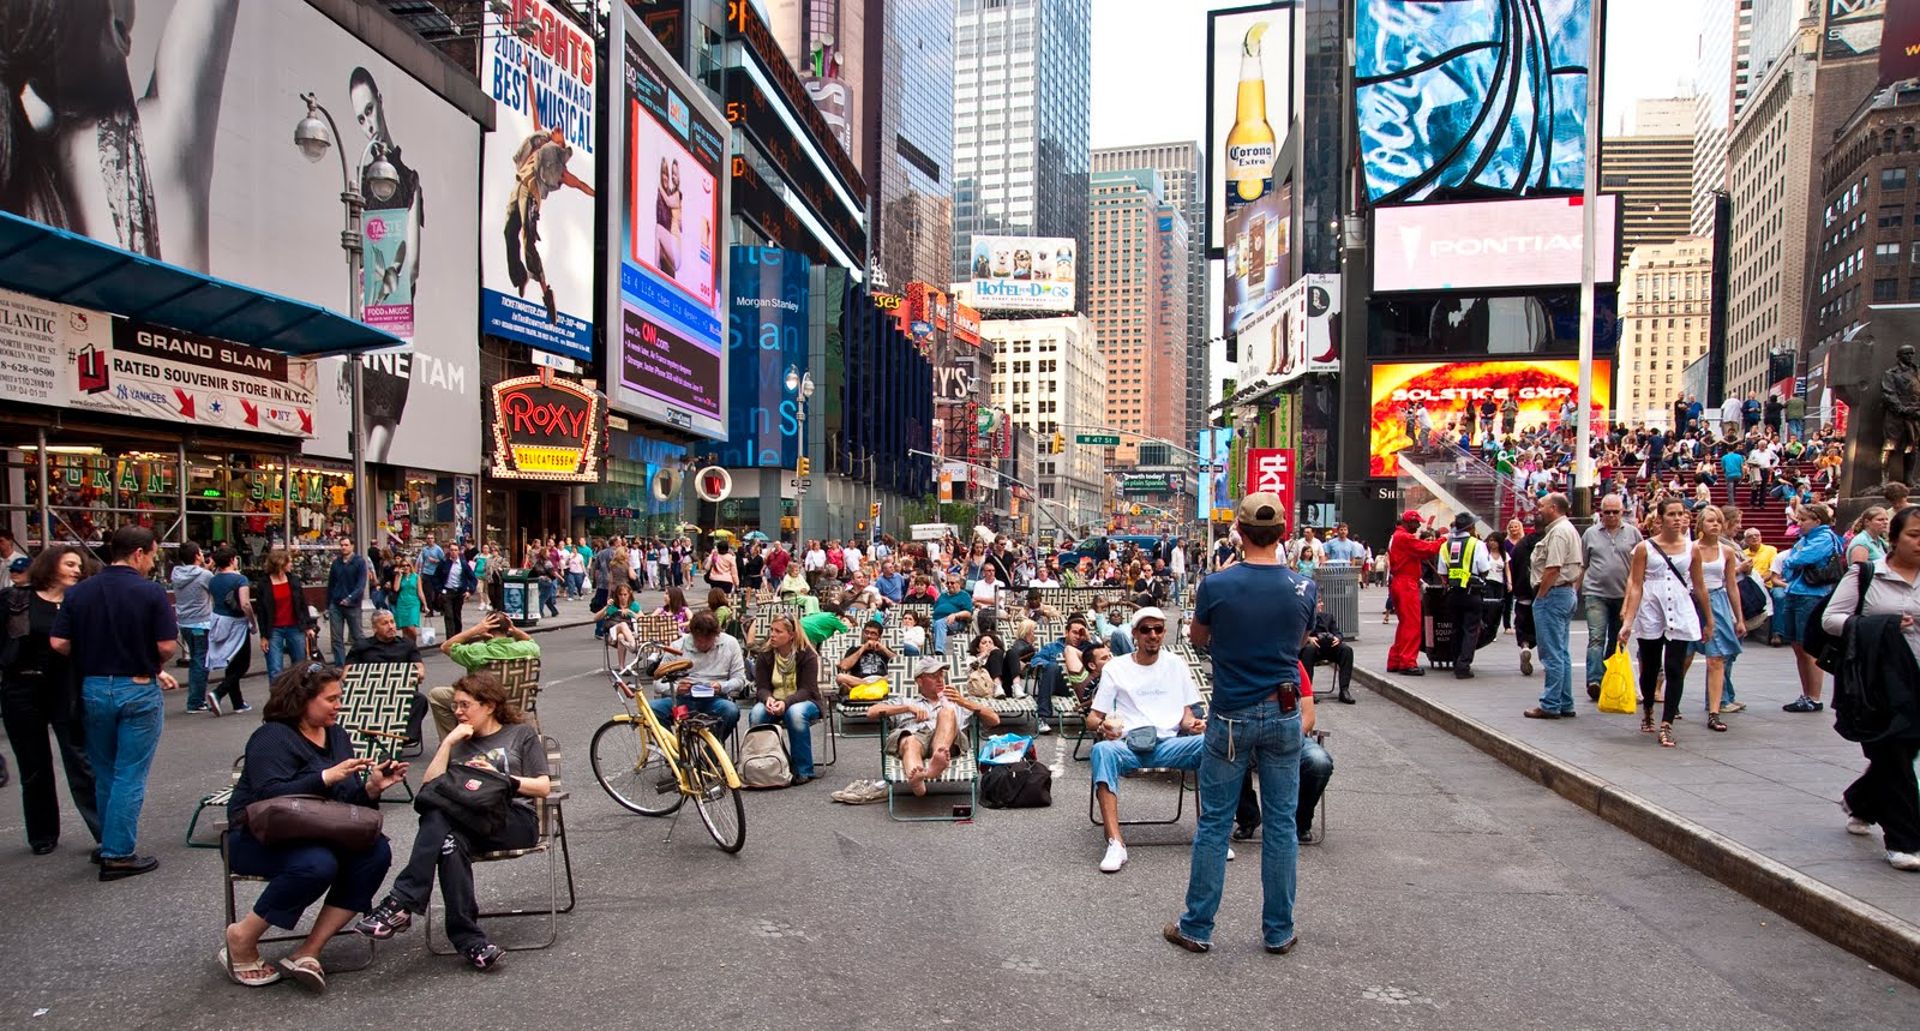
(283, 604)
(1306, 685)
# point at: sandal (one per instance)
(1646, 723)
(1715, 723)
(257, 974)
(306, 972)
(1666, 735)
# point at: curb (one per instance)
(1867, 931)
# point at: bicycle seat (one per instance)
(699, 721)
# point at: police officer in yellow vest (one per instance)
(1464, 567)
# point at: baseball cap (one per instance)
(1149, 612)
(1409, 516)
(929, 666)
(1263, 508)
(19, 564)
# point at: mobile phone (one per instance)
(963, 813)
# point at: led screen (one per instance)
(1446, 389)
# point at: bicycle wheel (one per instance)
(632, 769)
(721, 808)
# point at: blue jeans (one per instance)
(1316, 769)
(123, 731)
(1552, 621)
(798, 720)
(1263, 738)
(1603, 629)
(549, 589)
(1796, 429)
(290, 640)
(1120, 642)
(1798, 613)
(575, 581)
(941, 628)
(1778, 622)
(344, 622)
(1113, 759)
(196, 638)
(727, 712)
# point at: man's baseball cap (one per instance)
(1409, 516)
(19, 564)
(1263, 508)
(1148, 612)
(929, 666)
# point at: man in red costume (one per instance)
(1405, 555)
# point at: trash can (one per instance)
(520, 597)
(1340, 590)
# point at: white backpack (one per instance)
(763, 758)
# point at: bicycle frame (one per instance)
(638, 712)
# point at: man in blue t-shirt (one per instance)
(1253, 617)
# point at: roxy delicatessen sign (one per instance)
(547, 428)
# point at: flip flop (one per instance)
(305, 972)
(237, 974)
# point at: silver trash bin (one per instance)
(1340, 592)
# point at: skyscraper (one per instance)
(1652, 171)
(1021, 94)
(1721, 80)
(1137, 260)
(1666, 295)
(909, 151)
(1181, 167)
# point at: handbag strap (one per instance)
(1668, 559)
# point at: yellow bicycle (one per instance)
(653, 771)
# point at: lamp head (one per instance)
(311, 135)
(383, 180)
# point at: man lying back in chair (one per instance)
(926, 726)
(1145, 716)
(493, 639)
(388, 644)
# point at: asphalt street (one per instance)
(1450, 892)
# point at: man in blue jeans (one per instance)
(193, 610)
(1253, 615)
(346, 588)
(119, 629)
(1555, 570)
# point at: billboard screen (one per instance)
(664, 363)
(1215, 448)
(1491, 245)
(1416, 404)
(208, 179)
(1471, 99)
(537, 183)
(1259, 257)
(1900, 42)
(1249, 108)
(1853, 28)
(766, 334)
(1022, 273)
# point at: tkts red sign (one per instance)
(547, 429)
(1271, 468)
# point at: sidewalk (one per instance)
(1756, 807)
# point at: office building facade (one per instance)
(1137, 306)
(1051, 379)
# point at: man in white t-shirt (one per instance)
(1150, 688)
(986, 595)
(1730, 414)
(852, 557)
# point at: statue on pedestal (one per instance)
(1900, 420)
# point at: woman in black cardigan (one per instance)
(301, 750)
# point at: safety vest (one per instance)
(1460, 554)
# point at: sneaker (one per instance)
(485, 956)
(387, 919)
(1044, 728)
(1526, 662)
(196, 708)
(243, 707)
(213, 703)
(1115, 858)
(1856, 825)
(862, 792)
(1732, 707)
(1229, 853)
(1245, 831)
(1802, 704)
(1903, 860)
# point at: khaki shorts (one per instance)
(922, 733)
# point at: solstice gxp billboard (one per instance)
(1412, 400)
(766, 335)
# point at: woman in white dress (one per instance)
(1666, 594)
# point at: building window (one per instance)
(1886, 289)
(1893, 178)
(1892, 216)
(1885, 253)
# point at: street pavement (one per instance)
(1772, 783)
(1450, 893)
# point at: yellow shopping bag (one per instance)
(1616, 683)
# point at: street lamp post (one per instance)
(800, 385)
(315, 134)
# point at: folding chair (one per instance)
(1189, 781)
(376, 699)
(552, 843)
(216, 799)
(521, 678)
(963, 771)
(230, 879)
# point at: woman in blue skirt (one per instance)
(1719, 563)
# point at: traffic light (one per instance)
(805, 466)
(873, 510)
(1059, 443)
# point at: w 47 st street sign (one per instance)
(1098, 439)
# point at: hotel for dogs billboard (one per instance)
(1022, 273)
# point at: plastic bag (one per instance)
(1616, 683)
(1004, 748)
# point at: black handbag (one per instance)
(310, 819)
(473, 797)
(1026, 784)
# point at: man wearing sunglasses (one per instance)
(1146, 715)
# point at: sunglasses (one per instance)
(1150, 630)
